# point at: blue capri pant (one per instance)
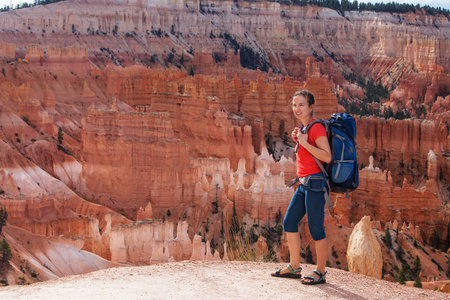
(311, 203)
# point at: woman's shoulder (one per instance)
(316, 125)
(318, 128)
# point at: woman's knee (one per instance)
(316, 226)
(317, 233)
(289, 224)
(316, 215)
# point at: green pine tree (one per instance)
(60, 136)
(3, 217)
(417, 265)
(447, 240)
(417, 283)
(387, 238)
(402, 276)
(5, 250)
(234, 227)
(399, 253)
(434, 241)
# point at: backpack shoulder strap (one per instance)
(312, 123)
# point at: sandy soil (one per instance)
(212, 280)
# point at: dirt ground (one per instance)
(212, 280)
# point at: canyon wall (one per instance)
(300, 41)
(135, 130)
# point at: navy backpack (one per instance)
(341, 173)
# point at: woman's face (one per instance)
(300, 108)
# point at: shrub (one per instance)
(240, 247)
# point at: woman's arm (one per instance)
(321, 152)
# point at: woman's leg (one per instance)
(294, 214)
(294, 249)
(322, 254)
(315, 210)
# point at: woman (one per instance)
(309, 198)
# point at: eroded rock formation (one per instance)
(364, 252)
(98, 128)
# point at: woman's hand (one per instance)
(302, 138)
(322, 149)
(294, 133)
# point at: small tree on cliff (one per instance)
(281, 129)
(5, 251)
(434, 240)
(234, 227)
(402, 275)
(278, 216)
(3, 217)
(417, 265)
(417, 283)
(399, 252)
(387, 238)
(447, 241)
(60, 136)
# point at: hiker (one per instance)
(309, 197)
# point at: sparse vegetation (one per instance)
(170, 57)
(437, 264)
(333, 252)
(248, 57)
(390, 7)
(240, 247)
